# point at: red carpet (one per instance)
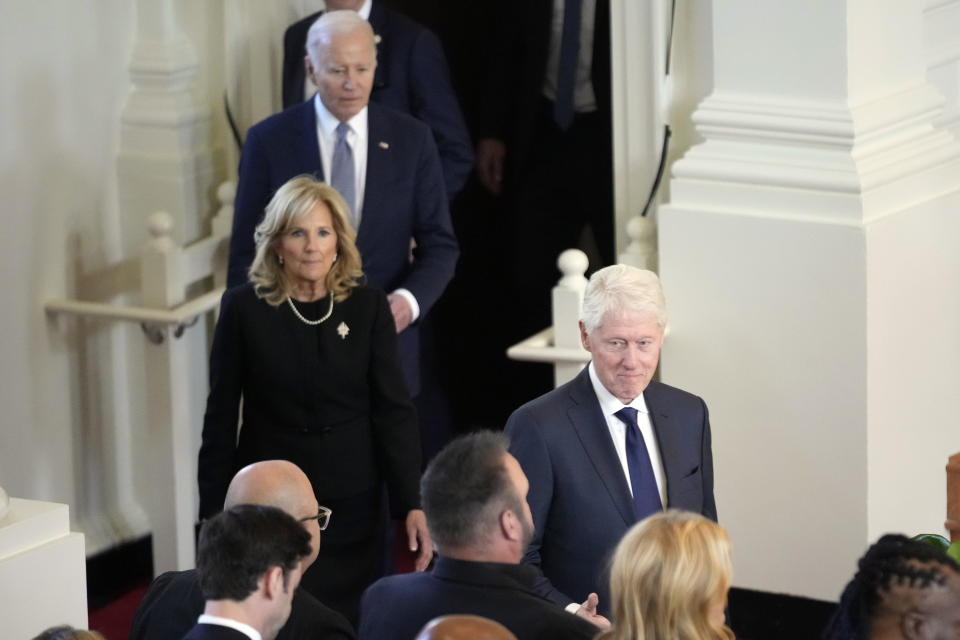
(113, 620)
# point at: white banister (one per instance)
(641, 251)
(167, 271)
(560, 344)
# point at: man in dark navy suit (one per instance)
(249, 564)
(388, 171)
(474, 496)
(611, 446)
(411, 76)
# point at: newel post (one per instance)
(567, 301)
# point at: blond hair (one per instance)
(668, 572)
(295, 199)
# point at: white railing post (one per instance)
(169, 494)
(641, 252)
(567, 301)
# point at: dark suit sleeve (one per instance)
(217, 460)
(294, 50)
(253, 194)
(435, 257)
(706, 457)
(528, 447)
(434, 102)
(394, 418)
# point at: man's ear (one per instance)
(584, 338)
(273, 583)
(510, 525)
(309, 69)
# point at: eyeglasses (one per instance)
(322, 517)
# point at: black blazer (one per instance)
(174, 602)
(397, 607)
(411, 76)
(579, 496)
(329, 398)
(214, 632)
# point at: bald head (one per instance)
(464, 628)
(280, 484)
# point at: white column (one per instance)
(165, 159)
(809, 262)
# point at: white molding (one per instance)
(822, 161)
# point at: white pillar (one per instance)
(165, 159)
(809, 259)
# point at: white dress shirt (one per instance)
(233, 624)
(358, 138)
(584, 100)
(609, 405)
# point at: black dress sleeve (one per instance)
(218, 449)
(394, 418)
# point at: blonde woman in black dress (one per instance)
(312, 354)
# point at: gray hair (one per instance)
(465, 489)
(621, 288)
(332, 24)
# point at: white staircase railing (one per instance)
(167, 272)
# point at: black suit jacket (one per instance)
(214, 632)
(174, 602)
(411, 76)
(329, 398)
(397, 607)
(513, 99)
(579, 496)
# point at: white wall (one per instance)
(64, 80)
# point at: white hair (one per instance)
(622, 289)
(332, 24)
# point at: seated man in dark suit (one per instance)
(249, 561)
(173, 602)
(383, 163)
(411, 77)
(611, 446)
(903, 590)
(474, 496)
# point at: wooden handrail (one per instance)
(953, 496)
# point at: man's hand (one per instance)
(419, 538)
(490, 157)
(402, 313)
(588, 611)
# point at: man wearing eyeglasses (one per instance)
(173, 601)
(611, 446)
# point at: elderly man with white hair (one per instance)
(610, 447)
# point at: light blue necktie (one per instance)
(646, 496)
(342, 172)
(567, 67)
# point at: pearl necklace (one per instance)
(312, 323)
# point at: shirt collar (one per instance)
(233, 624)
(328, 122)
(609, 403)
(364, 10)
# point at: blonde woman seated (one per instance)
(669, 580)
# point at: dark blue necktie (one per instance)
(567, 67)
(646, 497)
(342, 172)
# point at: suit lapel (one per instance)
(378, 169)
(378, 21)
(668, 440)
(591, 428)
